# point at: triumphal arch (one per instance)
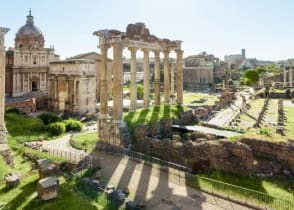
(137, 37)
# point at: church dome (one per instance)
(29, 36)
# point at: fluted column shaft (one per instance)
(291, 76)
(146, 78)
(117, 81)
(157, 77)
(103, 83)
(179, 78)
(166, 77)
(172, 81)
(3, 31)
(285, 77)
(133, 81)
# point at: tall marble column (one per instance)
(285, 77)
(3, 31)
(117, 82)
(157, 77)
(172, 82)
(166, 77)
(146, 78)
(103, 83)
(179, 78)
(291, 76)
(133, 80)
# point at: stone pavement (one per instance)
(223, 117)
(157, 188)
(206, 130)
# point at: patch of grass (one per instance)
(27, 128)
(190, 98)
(84, 141)
(289, 123)
(280, 187)
(25, 197)
(152, 115)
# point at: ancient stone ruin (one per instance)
(48, 188)
(137, 36)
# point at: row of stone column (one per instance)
(146, 80)
(290, 77)
(117, 79)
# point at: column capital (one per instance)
(133, 49)
(179, 51)
(145, 50)
(156, 53)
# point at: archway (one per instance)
(35, 85)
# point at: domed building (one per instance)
(27, 64)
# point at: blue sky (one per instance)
(263, 27)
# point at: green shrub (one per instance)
(73, 125)
(56, 128)
(49, 118)
(265, 131)
(230, 82)
(12, 110)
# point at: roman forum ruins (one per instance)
(3, 31)
(136, 37)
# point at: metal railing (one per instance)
(239, 194)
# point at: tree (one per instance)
(251, 76)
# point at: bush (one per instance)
(230, 82)
(49, 118)
(265, 131)
(56, 128)
(73, 125)
(12, 110)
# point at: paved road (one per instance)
(213, 131)
(223, 117)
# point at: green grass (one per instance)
(84, 141)
(25, 197)
(21, 125)
(279, 187)
(190, 98)
(289, 123)
(152, 115)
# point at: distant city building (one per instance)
(203, 69)
(27, 64)
(235, 60)
(240, 62)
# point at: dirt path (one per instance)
(61, 143)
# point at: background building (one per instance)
(72, 86)
(203, 70)
(27, 64)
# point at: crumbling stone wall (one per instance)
(242, 156)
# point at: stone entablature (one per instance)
(72, 86)
(136, 37)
